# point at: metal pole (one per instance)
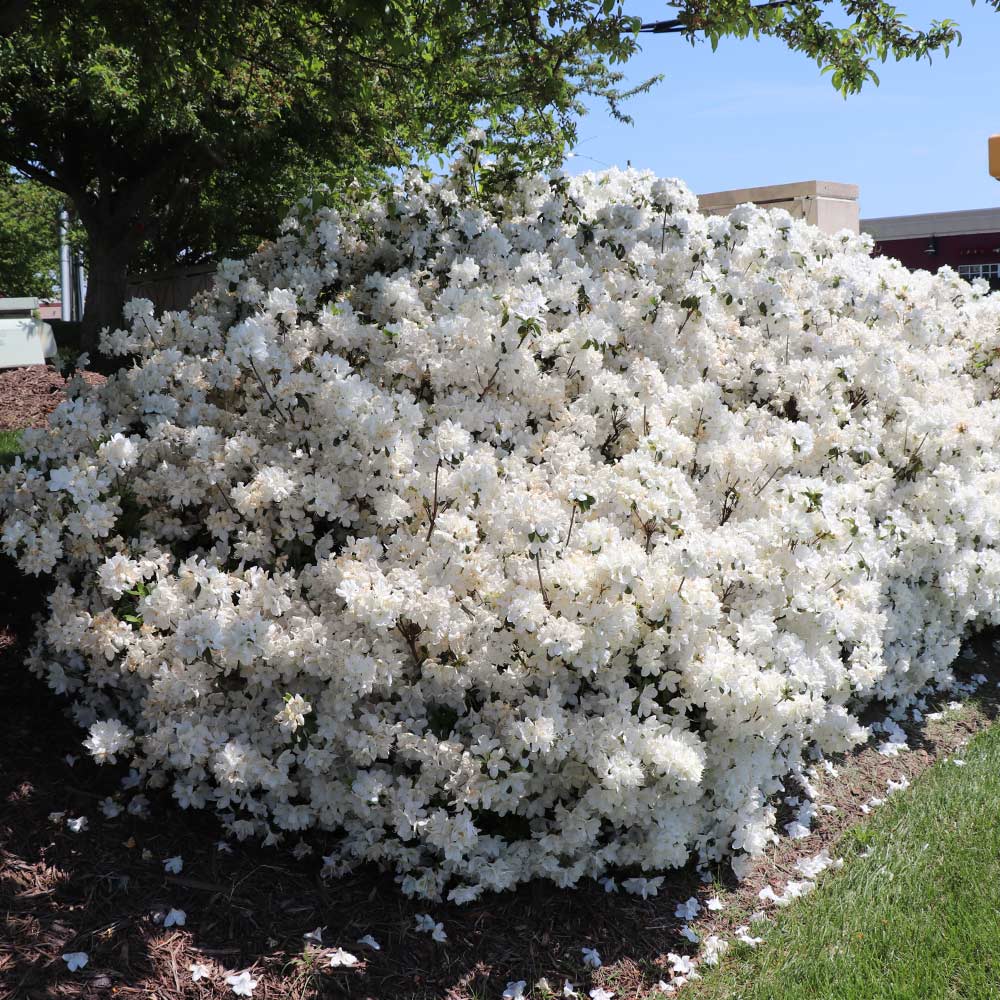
(65, 270)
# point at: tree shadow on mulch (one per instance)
(103, 890)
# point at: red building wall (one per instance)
(965, 248)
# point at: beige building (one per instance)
(826, 204)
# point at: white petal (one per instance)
(342, 959)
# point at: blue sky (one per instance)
(753, 113)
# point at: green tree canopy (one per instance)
(29, 237)
(847, 38)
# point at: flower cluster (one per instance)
(540, 536)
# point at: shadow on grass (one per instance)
(97, 891)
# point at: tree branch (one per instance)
(677, 25)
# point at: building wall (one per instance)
(968, 241)
(826, 204)
(953, 251)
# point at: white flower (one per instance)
(797, 830)
(314, 936)
(77, 825)
(714, 904)
(107, 740)
(713, 948)
(293, 713)
(369, 942)
(681, 965)
(591, 957)
(645, 887)
(514, 990)
(75, 960)
(687, 931)
(464, 893)
(342, 959)
(811, 867)
(427, 925)
(687, 910)
(743, 935)
(794, 889)
(175, 918)
(600, 993)
(138, 805)
(768, 895)
(199, 970)
(174, 865)
(242, 983)
(110, 808)
(70, 759)
(569, 990)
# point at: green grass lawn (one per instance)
(10, 446)
(918, 917)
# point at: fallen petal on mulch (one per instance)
(29, 394)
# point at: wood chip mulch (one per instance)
(29, 394)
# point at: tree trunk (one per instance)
(107, 289)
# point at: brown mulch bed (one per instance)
(29, 394)
(97, 891)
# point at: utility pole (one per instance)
(65, 267)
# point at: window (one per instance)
(991, 272)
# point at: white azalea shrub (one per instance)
(537, 539)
